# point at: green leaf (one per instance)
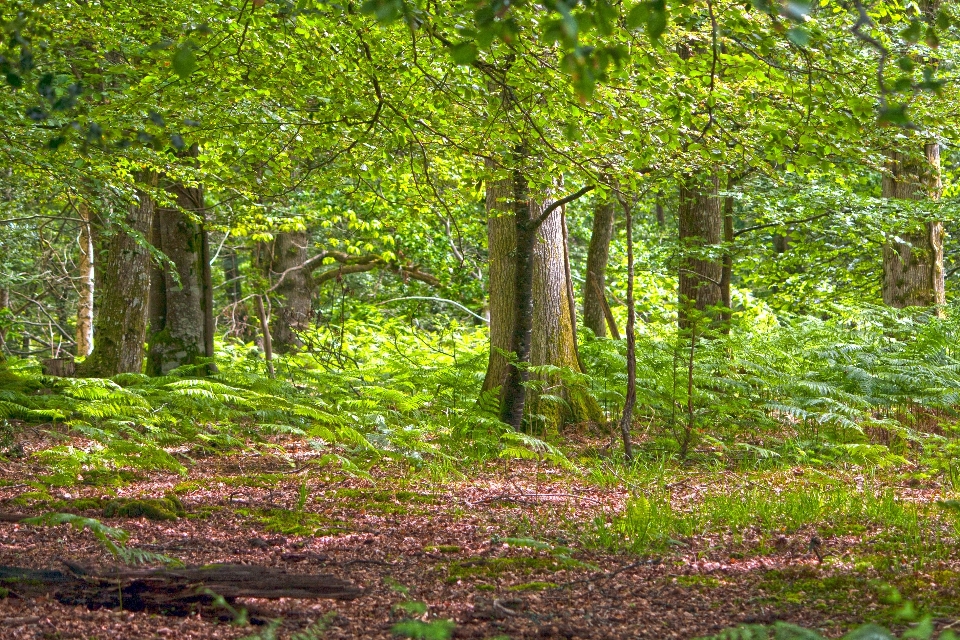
(652, 14)
(798, 36)
(913, 32)
(905, 63)
(184, 61)
(895, 115)
(464, 52)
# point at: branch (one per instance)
(779, 224)
(559, 203)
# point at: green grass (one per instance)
(652, 524)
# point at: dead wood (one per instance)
(171, 591)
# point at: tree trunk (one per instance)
(913, 268)
(598, 253)
(120, 323)
(630, 401)
(4, 306)
(291, 311)
(501, 244)
(701, 227)
(726, 275)
(177, 336)
(86, 288)
(554, 328)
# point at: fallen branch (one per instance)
(172, 591)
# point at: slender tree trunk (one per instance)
(913, 267)
(177, 336)
(501, 245)
(206, 280)
(661, 216)
(294, 297)
(86, 282)
(121, 320)
(265, 330)
(701, 227)
(626, 420)
(726, 275)
(598, 253)
(4, 306)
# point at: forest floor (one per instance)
(500, 552)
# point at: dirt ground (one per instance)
(443, 544)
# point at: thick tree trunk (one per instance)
(177, 336)
(86, 284)
(292, 305)
(501, 245)
(554, 328)
(598, 253)
(701, 228)
(120, 323)
(913, 268)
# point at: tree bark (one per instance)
(554, 327)
(913, 273)
(630, 401)
(501, 244)
(173, 591)
(120, 323)
(177, 336)
(86, 284)
(4, 306)
(291, 308)
(701, 227)
(726, 274)
(598, 254)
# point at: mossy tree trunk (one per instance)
(554, 334)
(701, 229)
(292, 303)
(531, 314)
(123, 286)
(913, 261)
(598, 254)
(177, 325)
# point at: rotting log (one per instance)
(171, 591)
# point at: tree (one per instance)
(290, 312)
(86, 283)
(596, 313)
(701, 227)
(123, 288)
(178, 327)
(913, 274)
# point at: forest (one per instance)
(494, 319)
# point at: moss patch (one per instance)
(295, 523)
(168, 508)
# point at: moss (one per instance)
(443, 548)
(294, 522)
(4, 592)
(167, 508)
(707, 582)
(188, 486)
